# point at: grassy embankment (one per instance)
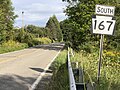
(11, 46)
(59, 79)
(110, 77)
(110, 70)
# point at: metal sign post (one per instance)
(100, 56)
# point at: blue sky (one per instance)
(37, 12)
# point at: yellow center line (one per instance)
(14, 58)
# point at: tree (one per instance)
(68, 30)
(58, 30)
(54, 26)
(80, 13)
(7, 18)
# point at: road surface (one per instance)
(19, 69)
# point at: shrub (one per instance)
(29, 38)
(25, 37)
(43, 40)
(11, 45)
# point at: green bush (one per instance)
(11, 45)
(29, 38)
(25, 37)
(43, 40)
(36, 41)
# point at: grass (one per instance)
(59, 79)
(110, 71)
(10, 46)
(110, 75)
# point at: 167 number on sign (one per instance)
(103, 25)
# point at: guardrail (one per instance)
(80, 84)
(71, 75)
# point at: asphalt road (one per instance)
(19, 69)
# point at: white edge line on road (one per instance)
(34, 85)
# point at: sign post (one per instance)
(100, 56)
(103, 23)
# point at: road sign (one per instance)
(105, 10)
(103, 25)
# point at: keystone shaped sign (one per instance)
(103, 25)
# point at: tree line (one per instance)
(29, 33)
(75, 30)
(77, 27)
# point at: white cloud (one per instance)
(38, 11)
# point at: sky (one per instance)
(37, 12)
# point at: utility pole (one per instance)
(22, 21)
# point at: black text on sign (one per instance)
(103, 25)
(105, 10)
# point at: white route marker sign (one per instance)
(105, 10)
(103, 25)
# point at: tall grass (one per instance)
(11, 45)
(110, 75)
(59, 79)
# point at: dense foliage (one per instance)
(109, 78)
(11, 45)
(77, 34)
(79, 14)
(7, 18)
(54, 26)
(31, 34)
